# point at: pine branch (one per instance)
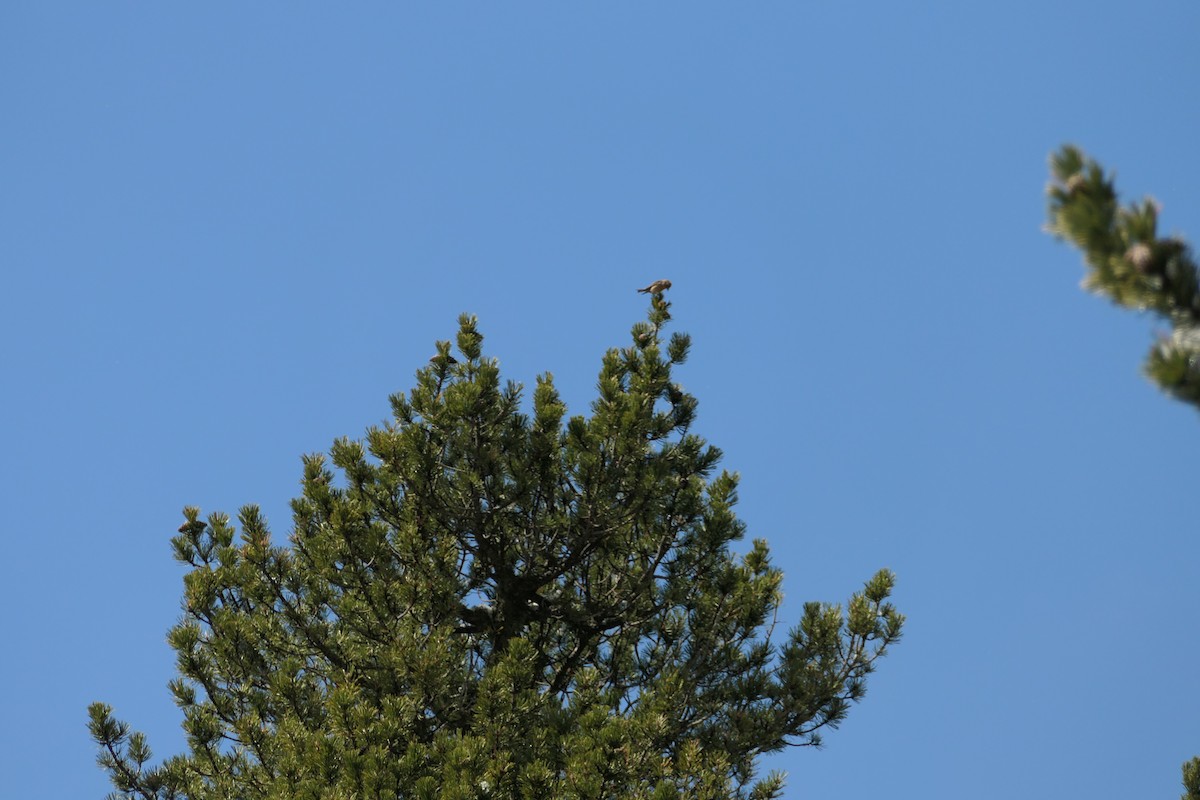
(1191, 780)
(1131, 264)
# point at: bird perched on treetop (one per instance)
(658, 287)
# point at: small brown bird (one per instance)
(658, 287)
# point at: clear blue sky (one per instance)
(229, 231)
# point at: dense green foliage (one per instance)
(490, 603)
(1131, 264)
(1191, 780)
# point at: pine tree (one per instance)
(490, 603)
(1132, 265)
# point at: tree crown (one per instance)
(498, 604)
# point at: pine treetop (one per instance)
(492, 603)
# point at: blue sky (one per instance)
(229, 231)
